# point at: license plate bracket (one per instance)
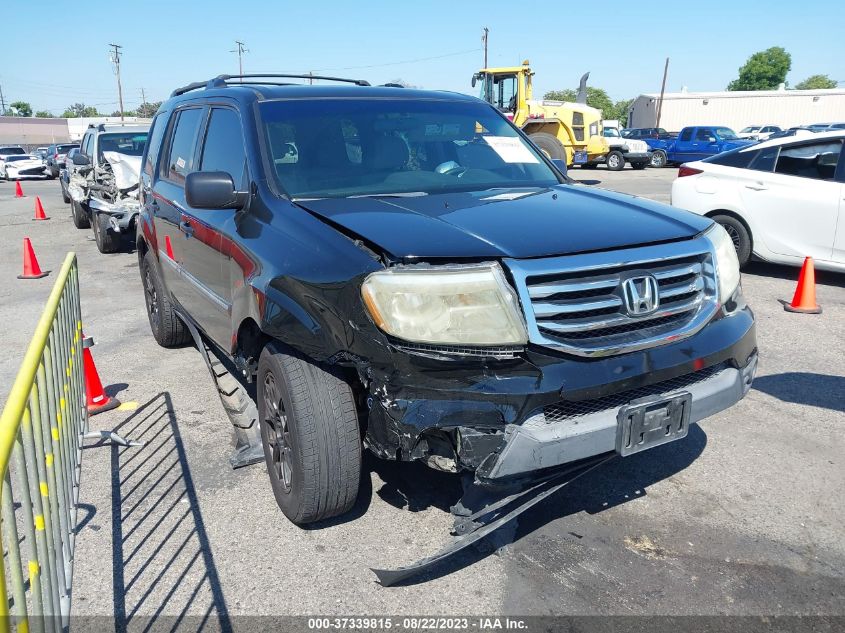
(579, 157)
(650, 422)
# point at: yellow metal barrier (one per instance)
(41, 432)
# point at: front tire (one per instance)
(615, 161)
(107, 240)
(310, 433)
(658, 159)
(550, 145)
(739, 235)
(167, 328)
(80, 217)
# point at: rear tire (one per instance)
(167, 328)
(107, 240)
(615, 161)
(80, 217)
(549, 145)
(658, 159)
(739, 234)
(310, 433)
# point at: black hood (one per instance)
(515, 223)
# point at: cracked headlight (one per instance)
(727, 264)
(458, 305)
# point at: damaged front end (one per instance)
(110, 188)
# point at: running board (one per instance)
(239, 406)
(473, 528)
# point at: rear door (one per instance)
(797, 204)
(168, 193)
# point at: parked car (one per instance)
(758, 132)
(826, 127)
(103, 185)
(780, 200)
(11, 150)
(648, 133)
(694, 143)
(56, 157)
(622, 150)
(64, 174)
(793, 131)
(41, 152)
(421, 281)
(21, 166)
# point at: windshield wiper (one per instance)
(397, 194)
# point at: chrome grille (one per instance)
(577, 303)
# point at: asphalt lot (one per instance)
(745, 516)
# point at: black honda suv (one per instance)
(403, 270)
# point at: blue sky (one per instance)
(430, 44)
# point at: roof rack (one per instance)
(221, 81)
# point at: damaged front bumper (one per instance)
(508, 418)
(122, 215)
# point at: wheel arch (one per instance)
(736, 216)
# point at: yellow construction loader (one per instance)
(563, 130)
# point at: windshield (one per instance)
(12, 150)
(129, 143)
(64, 149)
(345, 147)
(747, 130)
(725, 133)
(611, 132)
(16, 158)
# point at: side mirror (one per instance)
(213, 190)
(81, 160)
(560, 164)
(474, 79)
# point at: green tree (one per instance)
(44, 114)
(620, 111)
(148, 110)
(20, 108)
(596, 98)
(764, 70)
(125, 113)
(816, 82)
(79, 110)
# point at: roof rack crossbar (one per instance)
(221, 80)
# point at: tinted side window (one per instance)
(733, 158)
(765, 160)
(224, 145)
(180, 161)
(817, 160)
(703, 134)
(685, 135)
(154, 143)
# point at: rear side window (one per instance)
(817, 160)
(765, 159)
(733, 158)
(180, 161)
(224, 145)
(686, 135)
(154, 143)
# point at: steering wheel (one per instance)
(450, 168)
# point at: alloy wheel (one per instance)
(277, 432)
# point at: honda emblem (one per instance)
(641, 295)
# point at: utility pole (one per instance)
(240, 50)
(142, 109)
(662, 90)
(2, 102)
(484, 42)
(115, 58)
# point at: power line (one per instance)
(407, 61)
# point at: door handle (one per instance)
(185, 227)
(758, 187)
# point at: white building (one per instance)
(739, 109)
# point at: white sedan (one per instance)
(21, 166)
(779, 200)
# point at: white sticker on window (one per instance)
(510, 149)
(180, 163)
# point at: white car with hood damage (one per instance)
(103, 185)
(21, 166)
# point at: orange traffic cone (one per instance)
(31, 269)
(18, 190)
(805, 294)
(39, 210)
(96, 399)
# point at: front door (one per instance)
(797, 205)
